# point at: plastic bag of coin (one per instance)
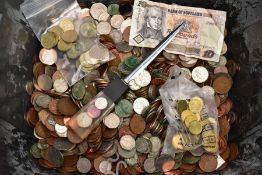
(191, 113)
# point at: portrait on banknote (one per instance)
(152, 27)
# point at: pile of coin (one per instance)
(130, 139)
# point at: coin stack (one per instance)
(129, 140)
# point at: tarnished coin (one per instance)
(112, 120)
(69, 36)
(35, 151)
(101, 103)
(132, 161)
(123, 47)
(62, 144)
(140, 105)
(143, 145)
(66, 24)
(60, 85)
(83, 165)
(181, 106)
(143, 79)
(200, 74)
(103, 28)
(48, 56)
(124, 108)
(149, 165)
(190, 159)
(186, 72)
(45, 82)
(208, 163)
(197, 152)
(88, 29)
(72, 137)
(113, 9)
(74, 51)
(55, 157)
(164, 163)
(127, 142)
(137, 124)
(156, 144)
(97, 9)
(116, 35)
(125, 153)
(78, 90)
(43, 100)
(83, 120)
(116, 21)
(48, 40)
(222, 83)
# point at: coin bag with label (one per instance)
(195, 115)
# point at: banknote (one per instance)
(202, 36)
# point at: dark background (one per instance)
(18, 47)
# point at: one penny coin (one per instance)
(208, 162)
(137, 124)
(222, 83)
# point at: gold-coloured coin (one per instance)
(189, 119)
(66, 24)
(177, 141)
(63, 46)
(186, 113)
(56, 30)
(210, 141)
(48, 40)
(69, 36)
(195, 127)
(195, 104)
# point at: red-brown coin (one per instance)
(158, 81)
(174, 172)
(132, 170)
(222, 83)
(41, 130)
(109, 132)
(97, 162)
(137, 124)
(72, 137)
(228, 104)
(123, 170)
(164, 163)
(126, 34)
(71, 160)
(224, 125)
(125, 130)
(32, 116)
(67, 169)
(208, 163)
(222, 144)
(198, 170)
(57, 75)
(188, 167)
(45, 163)
(38, 69)
(67, 107)
(233, 151)
(53, 106)
(225, 155)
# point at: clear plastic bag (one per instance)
(76, 58)
(191, 113)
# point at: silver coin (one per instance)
(83, 165)
(143, 145)
(140, 105)
(132, 161)
(143, 79)
(149, 165)
(124, 153)
(200, 74)
(127, 142)
(156, 144)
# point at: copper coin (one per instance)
(109, 133)
(132, 170)
(125, 130)
(222, 83)
(126, 34)
(208, 163)
(225, 155)
(67, 107)
(123, 170)
(224, 125)
(57, 75)
(38, 69)
(222, 144)
(164, 163)
(198, 170)
(72, 137)
(55, 157)
(59, 119)
(45, 163)
(188, 167)
(67, 169)
(158, 81)
(32, 116)
(137, 124)
(233, 151)
(83, 147)
(228, 105)
(174, 172)
(41, 130)
(97, 162)
(53, 106)
(70, 160)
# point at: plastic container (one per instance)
(18, 46)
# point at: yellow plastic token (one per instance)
(195, 104)
(66, 24)
(210, 141)
(186, 113)
(195, 127)
(189, 119)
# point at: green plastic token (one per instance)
(78, 90)
(113, 9)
